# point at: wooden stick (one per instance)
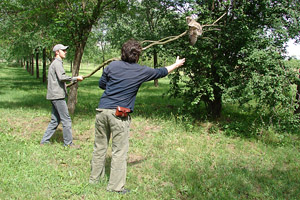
(102, 65)
(95, 70)
(169, 40)
(145, 41)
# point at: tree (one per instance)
(231, 58)
(24, 26)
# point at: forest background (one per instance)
(227, 121)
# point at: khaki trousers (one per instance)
(108, 125)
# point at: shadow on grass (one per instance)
(21, 89)
(129, 163)
(235, 183)
(150, 103)
(34, 101)
(31, 93)
(57, 137)
(24, 85)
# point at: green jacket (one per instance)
(57, 79)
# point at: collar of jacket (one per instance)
(59, 59)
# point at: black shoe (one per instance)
(124, 191)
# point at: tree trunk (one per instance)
(215, 106)
(72, 97)
(37, 64)
(297, 110)
(27, 66)
(155, 62)
(32, 64)
(44, 65)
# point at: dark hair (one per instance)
(131, 51)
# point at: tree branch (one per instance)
(162, 41)
(214, 24)
(159, 42)
(95, 70)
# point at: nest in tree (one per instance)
(195, 30)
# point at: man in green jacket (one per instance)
(56, 93)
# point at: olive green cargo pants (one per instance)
(108, 125)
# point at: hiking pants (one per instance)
(108, 125)
(59, 114)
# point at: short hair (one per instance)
(131, 51)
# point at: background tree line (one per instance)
(241, 63)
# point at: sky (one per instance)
(293, 50)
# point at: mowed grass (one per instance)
(166, 160)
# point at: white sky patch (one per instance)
(293, 49)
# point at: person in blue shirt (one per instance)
(121, 81)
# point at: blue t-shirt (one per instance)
(121, 82)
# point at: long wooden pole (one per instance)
(160, 42)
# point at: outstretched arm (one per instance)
(178, 63)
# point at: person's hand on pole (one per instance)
(79, 78)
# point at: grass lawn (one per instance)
(166, 160)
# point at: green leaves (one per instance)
(243, 61)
